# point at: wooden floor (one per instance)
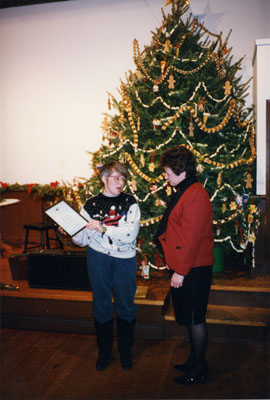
(61, 366)
(45, 365)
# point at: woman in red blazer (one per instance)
(185, 237)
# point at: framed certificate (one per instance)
(66, 217)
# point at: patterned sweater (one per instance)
(121, 216)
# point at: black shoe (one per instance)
(190, 379)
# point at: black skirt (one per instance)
(190, 301)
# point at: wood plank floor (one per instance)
(232, 315)
(60, 366)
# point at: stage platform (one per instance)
(239, 304)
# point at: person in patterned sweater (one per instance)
(110, 234)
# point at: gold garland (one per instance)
(159, 98)
(220, 71)
(219, 60)
(77, 197)
(176, 115)
(232, 110)
(218, 127)
(208, 161)
(177, 47)
(162, 77)
(228, 219)
(150, 221)
(195, 22)
(139, 172)
(127, 100)
(199, 123)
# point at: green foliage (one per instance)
(179, 83)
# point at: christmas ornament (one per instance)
(138, 74)
(155, 88)
(145, 269)
(109, 101)
(156, 123)
(201, 104)
(167, 46)
(160, 203)
(153, 188)
(134, 184)
(223, 208)
(163, 66)
(177, 49)
(227, 88)
(252, 238)
(233, 205)
(105, 124)
(200, 168)
(205, 117)
(171, 81)
(152, 164)
(242, 242)
(219, 180)
(142, 160)
(249, 181)
(191, 129)
(138, 122)
(169, 190)
(252, 209)
(250, 218)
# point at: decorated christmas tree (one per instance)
(185, 90)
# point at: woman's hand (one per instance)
(61, 230)
(94, 225)
(177, 280)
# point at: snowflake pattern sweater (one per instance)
(121, 216)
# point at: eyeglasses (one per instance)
(117, 178)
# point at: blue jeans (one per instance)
(110, 275)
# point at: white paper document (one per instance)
(64, 215)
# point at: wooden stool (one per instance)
(43, 228)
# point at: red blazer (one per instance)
(188, 240)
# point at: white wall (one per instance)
(261, 62)
(58, 61)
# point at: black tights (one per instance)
(198, 336)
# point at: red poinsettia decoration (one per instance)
(30, 187)
(54, 184)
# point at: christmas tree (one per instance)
(185, 90)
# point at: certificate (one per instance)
(64, 215)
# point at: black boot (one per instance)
(105, 344)
(125, 341)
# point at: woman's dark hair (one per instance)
(179, 159)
